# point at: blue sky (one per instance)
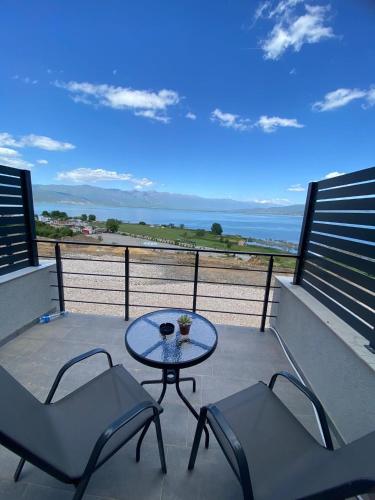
(241, 99)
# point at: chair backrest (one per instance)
(23, 420)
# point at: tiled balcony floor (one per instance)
(243, 357)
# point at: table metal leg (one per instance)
(190, 407)
(164, 381)
(170, 377)
(189, 379)
(151, 382)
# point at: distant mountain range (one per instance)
(84, 195)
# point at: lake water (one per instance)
(276, 227)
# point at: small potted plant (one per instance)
(184, 323)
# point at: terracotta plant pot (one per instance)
(184, 329)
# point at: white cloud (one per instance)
(34, 141)
(153, 115)
(42, 162)
(343, 96)
(338, 98)
(298, 188)
(44, 142)
(8, 152)
(331, 175)
(25, 79)
(270, 123)
(274, 201)
(100, 175)
(140, 101)
(230, 120)
(114, 72)
(7, 140)
(191, 116)
(371, 96)
(15, 162)
(293, 71)
(292, 30)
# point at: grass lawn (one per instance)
(191, 237)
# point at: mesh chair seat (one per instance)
(63, 434)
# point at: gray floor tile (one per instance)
(243, 357)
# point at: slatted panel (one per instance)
(16, 220)
(337, 248)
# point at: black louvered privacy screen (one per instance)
(337, 252)
(17, 227)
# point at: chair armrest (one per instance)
(72, 362)
(314, 400)
(115, 427)
(236, 447)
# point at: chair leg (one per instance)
(81, 487)
(20, 465)
(160, 443)
(197, 437)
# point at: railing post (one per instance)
(305, 230)
(60, 281)
(266, 294)
(127, 284)
(28, 210)
(195, 290)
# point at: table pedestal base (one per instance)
(171, 376)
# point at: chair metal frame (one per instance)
(243, 475)
(93, 463)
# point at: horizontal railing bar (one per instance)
(11, 210)
(353, 232)
(11, 190)
(162, 293)
(91, 288)
(160, 263)
(93, 260)
(15, 172)
(231, 298)
(232, 284)
(231, 312)
(13, 181)
(177, 249)
(348, 204)
(360, 294)
(93, 274)
(351, 261)
(365, 189)
(13, 267)
(10, 200)
(160, 279)
(355, 307)
(360, 279)
(9, 230)
(358, 219)
(364, 175)
(358, 248)
(93, 302)
(338, 309)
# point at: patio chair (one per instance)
(275, 457)
(72, 437)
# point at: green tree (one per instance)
(45, 213)
(56, 214)
(112, 225)
(216, 228)
(142, 223)
(200, 233)
(182, 226)
(92, 218)
(84, 217)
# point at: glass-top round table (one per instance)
(170, 353)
